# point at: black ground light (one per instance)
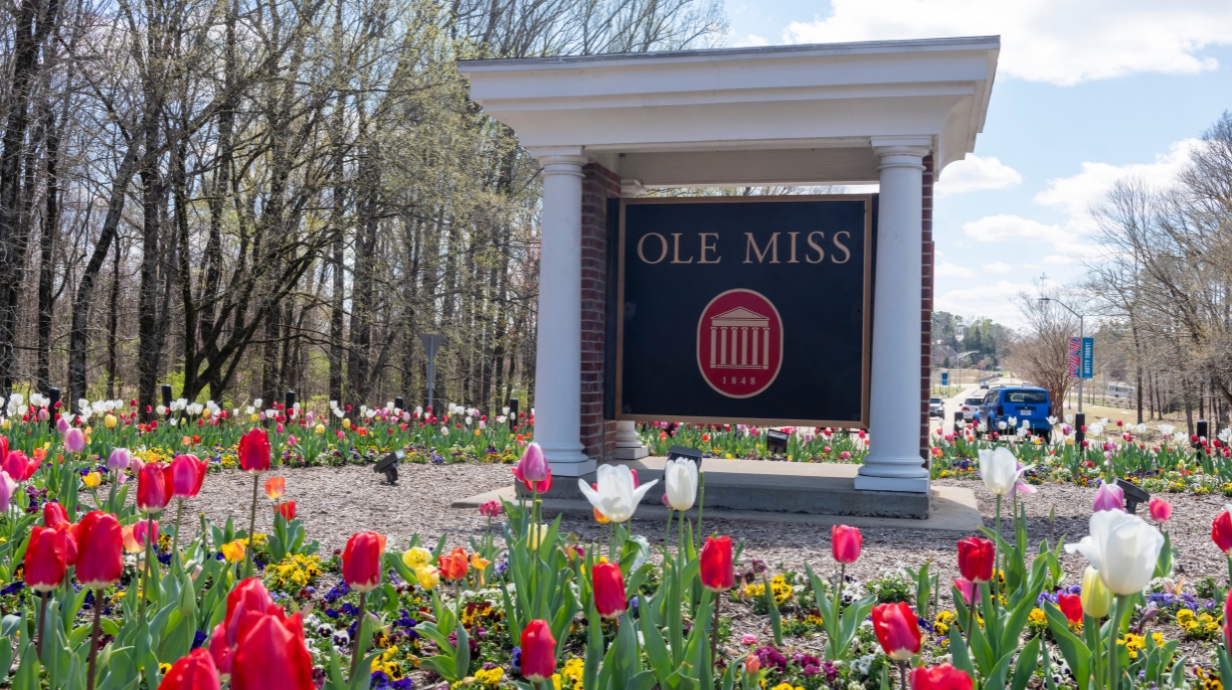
(399, 403)
(53, 397)
(389, 467)
(776, 441)
(513, 413)
(167, 398)
(290, 398)
(1133, 495)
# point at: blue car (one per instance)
(1017, 405)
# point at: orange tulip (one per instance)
(454, 564)
(275, 487)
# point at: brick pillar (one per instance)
(599, 184)
(926, 308)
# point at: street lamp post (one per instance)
(1080, 418)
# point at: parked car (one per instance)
(983, 385)
(1017, 405)
(971, 408)
(936, 407)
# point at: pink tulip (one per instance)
(1109, 497)
(74, 440)
(533, 465)
(966, 588)
(1161, 510)
(62, 425)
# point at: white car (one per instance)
(936, 407)
(970, 408)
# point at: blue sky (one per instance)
(1087, 92)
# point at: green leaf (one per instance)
(462, 657)
(1025, 666)
(1075, 651)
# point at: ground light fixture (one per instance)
(388, 466)
(776, 441)
(1133, 495)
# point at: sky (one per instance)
(1087, 92)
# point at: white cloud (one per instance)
(1058, 41)
(953, 270)
(999, 267)
(749, 41)
(975, 173)
(1076, 195)
(998, 301)
(1005, 227)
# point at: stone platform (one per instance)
(818, 493)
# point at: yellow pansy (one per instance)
(92, 480)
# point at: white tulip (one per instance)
(999, 470)
(681, 479)
(616, 498)
(1166, 429)
(1123, 548)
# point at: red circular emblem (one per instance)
(739, 343)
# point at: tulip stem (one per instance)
(150, 531)
(94, 638)
(42, 622)
(667, 535)
(997, 560)
(838, 600)
(701, 501)
(252, 526)
(359, 634)
(175, 542)
(1114, 630)
(680, 537)
(714, 634)
(902, 672)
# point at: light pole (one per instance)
(1080, 419)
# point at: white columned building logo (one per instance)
(739, 343)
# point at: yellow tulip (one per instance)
(233, 551)
(346, 423)
(109, 421)
(254, 417)
(1096, 598)
(428, 577)
(320, 429)
(417, 558)
(205, 413)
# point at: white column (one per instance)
(894, 462)
(558, 356)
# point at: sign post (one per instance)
(431, 342)
(945, 379)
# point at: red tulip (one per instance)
(1160, 509)
(286, 509)
(54, 514)
(718, 574)
(454, 565)
(898, 630)
(19, 467)
(975, 559)
(538, 652)
(249, 596)
(154, 487)
(187, 475)
(47, 558)
(361, 561)
(193, 672)
(1071, 606)
(254, 451)
(1221, 531)
(845, 543)
(275, 487)
(943, 677)
(220, 651)
(272, 654)
(100, 550)
(4, 450)
(609, 590)
(1227, 620)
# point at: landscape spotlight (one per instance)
(1133, 495)
(776, 441)
(388, 466)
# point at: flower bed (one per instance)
(101, 591)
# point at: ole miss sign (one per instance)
(741, 309)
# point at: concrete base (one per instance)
(953, 509)
(776, 487)
(632, 453)
(918, 485)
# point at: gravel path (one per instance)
(335, 502)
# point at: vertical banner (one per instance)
(1088, 358)
(945, 378)
(1075, 357)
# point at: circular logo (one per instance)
(739, 343)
